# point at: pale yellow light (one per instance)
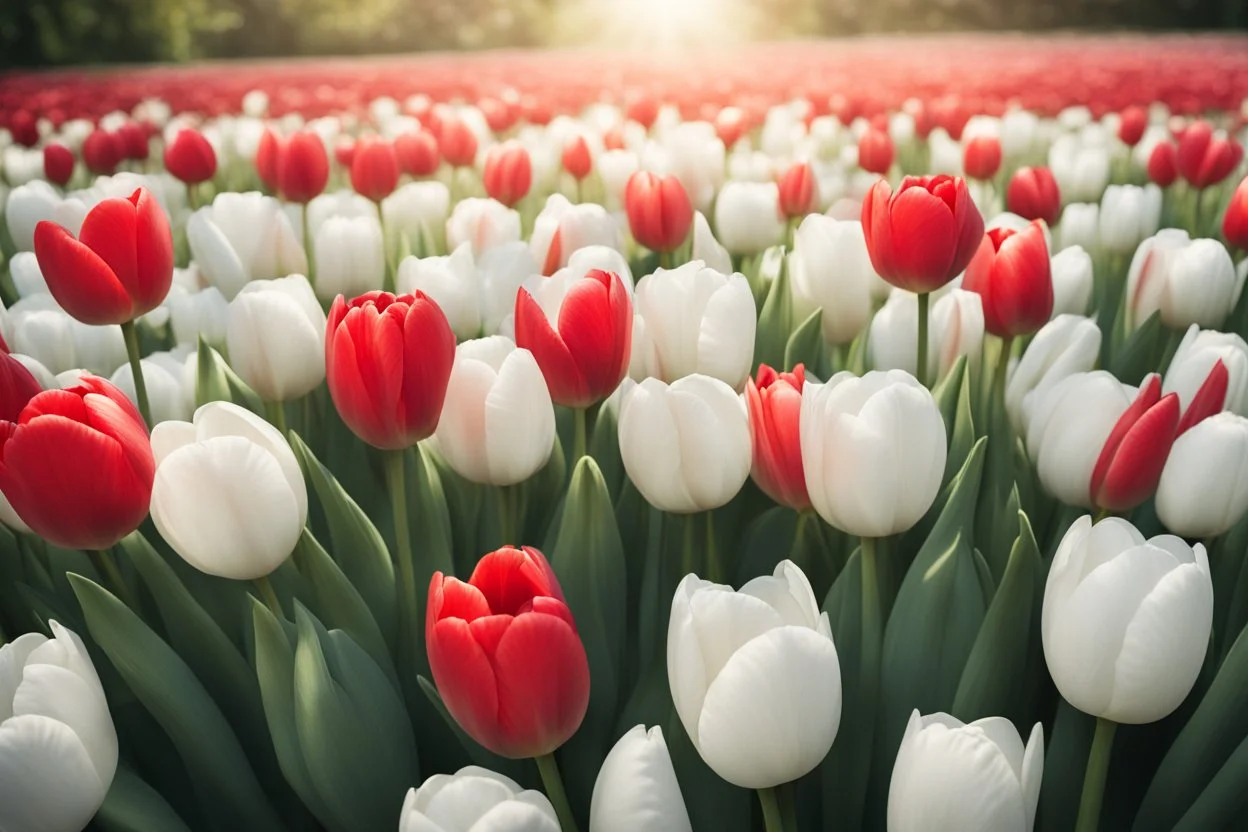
(653, 24)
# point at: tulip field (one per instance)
(845, 435)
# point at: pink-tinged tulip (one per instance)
(374, 169)
(774, 401)
(457, 142)
(1131, 124)
(1235, 221)
(302, 168)
(799, 192)
(508, 173)
(119, 268)
(344, 152)
(1163, 165)
(875, 151)
(418, 153)
(102, 152)
(925, 234)
(1012, 274)
(58, 164)
(576, 158)
(1210, 398)
(1204, 159)
(388, 361)
(1132, 459)
(585, 350)
(268, 158)
(1033, 195)
(505, 654)
(643, 109)
(981, 157)
(77, 465)
(730, 125)
(190, 157)
(659, 212)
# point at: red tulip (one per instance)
(505, 654)
(875, 151)
(1204, 160)
(1131, 124)
(1130, 463)
(1163, 164)
(1210, 399)
(268, 158)
(134, 141)
(925, 234)
(102, 152)
(58, 163)
(584, 356)
(77, 465)
(374, 169)
(418, 153)
(1235, 221)
(190, 157)
(25, 128)
(799, 192)
(508, 173)
(17, 387)
(302, 168)
(730, 126)
(643, 109)
(613, 139)
(119, 268)
(1033, 195)
(387, 362)
(344, 152)
(576, 158)
(499, 115)
(1011, 274)
(457, 142)
(981, 157)
(774, 401)
(659, 212)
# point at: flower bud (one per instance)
(1128, 215)
(1033, 194)
(508, 173)
(659, 212)
(374, 170)
(799, 191)
(475, 799)
(831, 269)
(875, 152)
(275, 334)
(484, 223)
(1190, 281)
(1072, 281)
(1196, 356)
(1066, 345)
(637, 788)
(981, 157)
(956, 329)
(350, 257)
(747, 217)
(190, 157)
(1011, 274)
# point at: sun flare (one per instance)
(656, 25)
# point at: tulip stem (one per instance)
(107, 567)
(579, 440)
(549, 770)
(713, 570)
(1002, 373)
(267, 594)
(1094, 777)
(921, 359)
(277, 415)
(788, 806)
(773, 820)
(396, 481)
(307, 240)
(131, 333)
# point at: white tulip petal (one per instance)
(636, 787)
(47, 780)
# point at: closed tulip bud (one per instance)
(1080, 226)
(1066, 345)
(974, 778)
(241, 238)
(576, 158)
(350, 257)
(102, 152)
(761, 702)
(1205, 159)
(58, 163)
(119, 268)
(1033, 195)
(457, 142)
(302, 169)
(706, 248)
(1128, 216)
(747, 217)
(799, 191)
(58, 746)
(77, 465)
(134, 140)
(508, 173)
(374, 170)
(475, 799)
(170, 381)
(1135, 451)
(1235, 220)
(875, 151)
(484, 223)
(1163, 165)
(193, 315)
(562, 228)
(417, 209)
(498, 423)
(774, 404)
(1080, 168)
(637, 787)
(1072, 281)
(190, 157)
(388, 361)
(694, 320)
(1012, 275)
(981, 157)
(1203, 490)
(830, 269)
(659, 212)
(1189, 281)
(267, 158)
(1109, 595)
(957, 329)
(1131, 124)
(275, 333)
(417, 153)
(506, 656)
(1195, 359)
(28, 205)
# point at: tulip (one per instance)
(28, 205)
(268, 158)
(1204, 159)
(169, 381)
(1033, 194)
(831, 269)
(350, 257)
(1012, 275)
(39, 328)
(799, 191)
(957, 329)
(198, 314)
(1080, 226)
(1128, 216)
(875, 152)
(508, 173)
(760, 703)
(637, 787)
(102, 152)
(119, 268)
(562, 228)
(505, 654)
(58, 164)
(77, 465)
(418, 210)
(1080, 168)
(497, 425)
(774, 404)
(374, 170)
(1163, 164)
(1235, 220)
(58, 746)
(301, 169)
(475, 799)
(1066, 345)
(1131, 124)
(342, 204)
(694, 320)
(659, 212)
(190, 157)
(26, 275)
(685, 446)
(275, 334)
(483, 222)
(747, 217)
(388, 360)
(981, 157)
(615, 168)
(1203, 490)
(576, 158)
(1189, 281)
(241, 238)
(976, 777)
(706, 248)
(873, 449)
(1195, 359)
(417, 152)
(1072, 281)
(457, 142)
(1108, 594)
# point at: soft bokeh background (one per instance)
(58, 32)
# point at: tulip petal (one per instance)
(47, 781)
(924, 238)
(637, 787)
(519, 421)
(60, 693)
(79, 279)
(465, 680)
(516, 816)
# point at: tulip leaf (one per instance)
(604, 447)
(775, 321)
(805, 344)
(224, 781)
(1142, 351)
(1223, 802)
(713, 803)
(216, 382)
(133, 806)
(1065, 762)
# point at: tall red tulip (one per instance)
(508, 173)
(584, 355)
(659, 211)
(119, 268)
(1131, 124)
(981, 157)
(190, 157)
(24, 128)
(457, 142)
(576, 159)
(1130, 463)
(1033, 195)
(505, 654)
(302, 168)
(1235, 221)
(774, 401)
(102, 152)
(77, 465)
(418, 153)
(1204, 159)
(1163, 165)
(374, 168)
(17, 387)
(799, 192)
(58, 163)
(923, 235)
(875, 151)
(1012, 276)
(387, 363)
(268, 158)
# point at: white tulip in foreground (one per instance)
(1066, 345)
(953, 777)
(275, 333)
(873, 449)
(243, 237)
(1189, 281)
(637, 788)
(475, 799)
(1080, 226)
(229, 496)
(58, 747)
(1197, 354)
(685, 446)
(1126, 621)
(498, 424)
(1204, 486)
(755, 676)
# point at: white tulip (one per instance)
(27, 205)
(1072, 281)
(344, 203)
(38, 327)
(693, 153)
(747, 217)
(955, 329)
(945, 153)
(873, 449)
(604, 258)
(1197, 354)
(198, 314)
(417, 209)
(1190, 281)
(256, 103)
(27, 277)
(637, 788)
(685, 446)
(954, 777)
(243, 237)
(228, 496)
(275, 334)
(350, 257)
(706, 248)
(754, 676)
(693, 319)
(1018, 134)
(1129, 214)
(831, 269)
(1125, 622)
(1080, 226)
(502, 269)
(41, 373)
(562, 228)
(58, 747)
(1066, 345)
(1204, 487)
(1081, 169)
(745, 165)
(475, 799)
(483, 222)
(451, 282)
(21, 165)
(615, 168)
(170, 381)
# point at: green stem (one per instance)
(921, 362)
(307, 239)
(580, 193)
(267, 594)
(788, 806)
(277, 415)
(872, 621)
(549, 770)
(665, 260)
(773, 820)
(396, 482)
(714, 572)
(508, 515)
(1100, 515)
(1094, 777)
(107, 567)
(579, 441)
(1196, 218)
(131, 333)
(1000, 376)
(688, 562)
(192, 197)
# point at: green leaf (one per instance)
(1065, 761)
(216, 382)
(1142, 352)
(604, 447)
(775, 321)
(133, 806)
(713, 803)
(1221, 805)
(224, 782)
(806, 343)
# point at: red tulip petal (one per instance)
(465, 680)
(428, 355)
(462, 600)
(154, 244)
(509, 579)
(563, 375)
(1209, 399)
(81, 282)
(924, 238)
(110, 231)
(1136, 467)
